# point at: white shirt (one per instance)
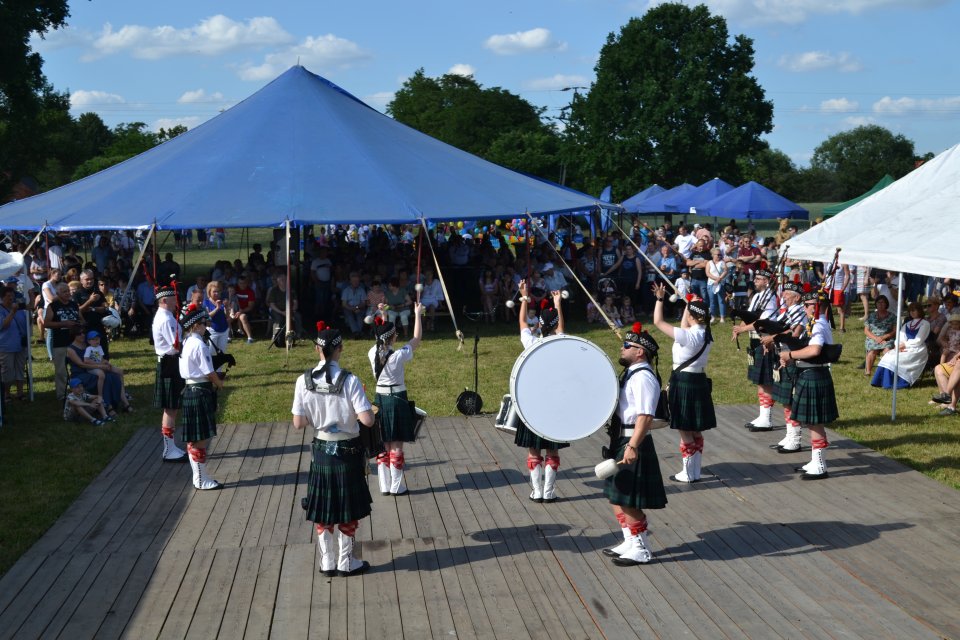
(166, 333)
(685, 244)
(686, 344)
(530, 336)
(639, 397)
(769, 309)
(822, 334)
(195, 359)
(333, 417)
(55, 256)
(392, 375)
(432, 293)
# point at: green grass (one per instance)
(46, 463)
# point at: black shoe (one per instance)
(383, 493)
(674, 478)
(941, 398)
(799, 470)
(754, 429)
(748, 425)
(785, 450)
(610, 553)
(403, 493)
(626, 562)
(330, 573)
(184, 458)
(537, 500)
(815, 476)
(361, 569)
(549, 500)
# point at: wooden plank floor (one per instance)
(751, 551)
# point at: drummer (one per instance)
(760, 362)
(691, 406)
(791, 314)
(543, 472)
(396, 419)
(638, 484)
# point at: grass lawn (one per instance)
(45, 463)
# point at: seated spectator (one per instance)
(144, 305)
(399, 305)
(610, 310)
(80, 404)
(96, 376)
(277, 306)
(246, 304)
(201, 286)
(354, 301)
(949, 339)
(627, 314)
(879, 330)
(912, 346)
(489, 294)
(431, 297)
(938, 322)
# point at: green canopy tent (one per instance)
(833, 210)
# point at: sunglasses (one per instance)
(630, 345)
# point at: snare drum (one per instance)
(507, 417)
(564, 388)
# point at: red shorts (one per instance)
(836, 298)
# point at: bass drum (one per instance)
(564, 388)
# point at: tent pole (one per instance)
(896, 345)
(34, 241)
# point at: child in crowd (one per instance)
(593, 315)
(94, 355)
(627, 314)
(80, 404)
(683, 288)
(610, 309)
(740, 279)
(950, 338)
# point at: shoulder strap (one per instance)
(380, 367)
(695, 356)
(633, 371)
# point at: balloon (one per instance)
(498, 223)
(459, 225)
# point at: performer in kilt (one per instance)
(760, 362)
(169, 384)
(691, 404)
(638, 484)
(198, 410)
(543, 470)
(791, 314)
(814, 399)
(396, 415)
(331, 400)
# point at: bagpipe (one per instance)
(829, 353)
(219, 358)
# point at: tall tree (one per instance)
(772, 168)
(23, 87)
(862, 156)
(673, 102)
(488, 122)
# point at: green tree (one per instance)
(23, 88)
(673, 102)
(482, 121)
(862, 156)
(128, 140)
(772, 168)
(537, 153)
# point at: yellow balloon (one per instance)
(498, 223)
(459, 225)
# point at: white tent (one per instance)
(911, 226)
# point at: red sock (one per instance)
(383, 458)
(637, 526)
(167, 431)
(396, 459)
(687, 450)
(622, 519)
(533, 462)
(766, 400)
(197, 454)
(323, 527)
(349, 529)
(698, 443)
(553, 461)
(819, 443)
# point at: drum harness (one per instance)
(328, 386)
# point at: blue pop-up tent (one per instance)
(633, 201)
(658, 203)
(691, 200)
(299, 151)
(752, 200)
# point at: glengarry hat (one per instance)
(764, 271)
(549, 318)
(699, 308)
(637, 335)
(383, 329)
(796, 287)
(327, 336)
(164, 292)
(192, 314)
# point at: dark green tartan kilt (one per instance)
(640, 485)
(337, 489)
(814, 399)
(691, 407)
(783, 390)
(761, 371)
(166, 392)
(198, 412)
(526, 438)
(396, 422)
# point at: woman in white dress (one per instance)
(912, 347)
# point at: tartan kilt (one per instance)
(691, 407)
(337, 489)
(396, 422)
(640, 485)
(783, 390)
(166, 392)
(814, 399)
(761, 371)
(528, 439)
(198, 412)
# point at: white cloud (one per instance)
(321, 53)
(839, 105)
(797, 11)
(379, 100)
(212, 36)
(84, 99)
(466, 70)
(556, 82)
(538, 39)
(820, 60)
(200, 95)
(858, 121)
(888, 106)
(168, 123)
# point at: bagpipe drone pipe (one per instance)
(219, 358)
(829, 353)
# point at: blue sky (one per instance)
(827, 65)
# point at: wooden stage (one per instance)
(751, 551)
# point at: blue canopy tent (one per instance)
(299, 151)
(691, 200)
(752, 200)
(631, 203)
(658, 203)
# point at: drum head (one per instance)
(564, 388)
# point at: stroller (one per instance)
(606, 287)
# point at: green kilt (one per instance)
(396, 421)
(528, 439)
(198, 412)
(761, 371)
(783, 390)
(640, 485)
(691, 407)
(166, 391)
(337, 489)
(814, 400)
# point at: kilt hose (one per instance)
(337, 489)
(198, 412)
(528, 439)
(166, 391)
(761, 371)
(639, 485)
(691, 406)
(396, 421)
(783, 390)
(814, 399)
